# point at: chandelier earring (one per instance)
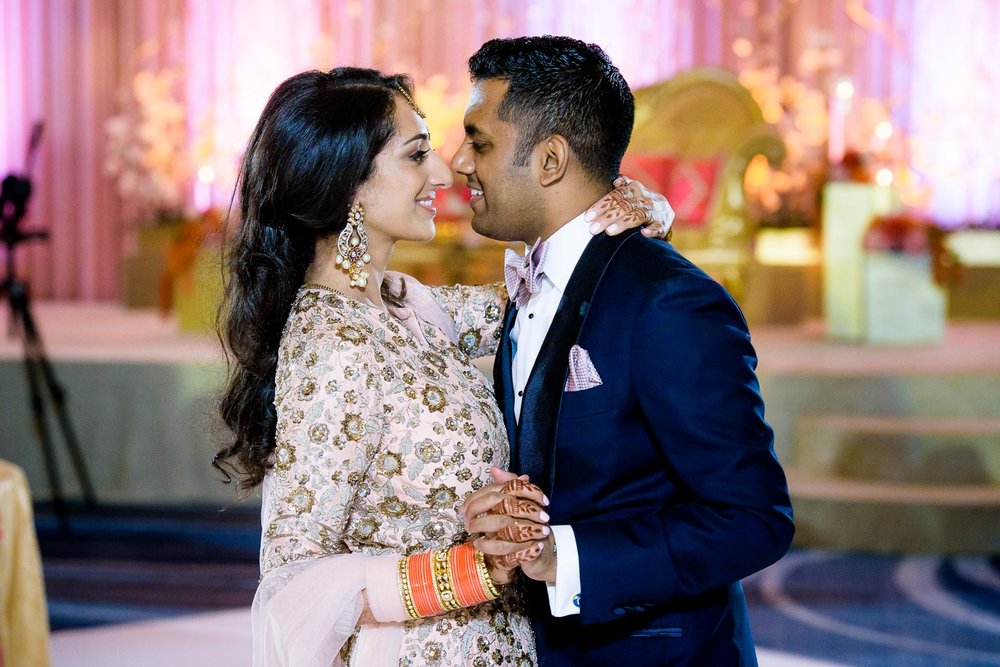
(352, 247)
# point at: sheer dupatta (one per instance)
(304, 613)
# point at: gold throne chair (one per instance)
(706, 121)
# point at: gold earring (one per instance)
(352, 247)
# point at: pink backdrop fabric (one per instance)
(68, 61)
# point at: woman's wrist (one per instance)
(439, 581)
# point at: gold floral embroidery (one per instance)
(436, 360)
(442, 497)
(469, 341)
(433, 398)
(433, 652)
(307, 388)
(492, 313)
(351, 334)
(319, 433)
(390, 463)
(301, 499)
(366, 528)
(306, 302)
(429, 451)
(284, 457)
(353, 427)
(393, 507)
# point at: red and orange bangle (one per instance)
(439, 581)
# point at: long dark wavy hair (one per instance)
(314, 146)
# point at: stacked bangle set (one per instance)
(443, 580)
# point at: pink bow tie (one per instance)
(523, 275)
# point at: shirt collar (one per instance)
(565, 247)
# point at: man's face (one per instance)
(506, 204)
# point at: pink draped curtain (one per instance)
(64, 62)
(68, 62)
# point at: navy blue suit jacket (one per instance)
(666, 471)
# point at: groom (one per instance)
(626, 378)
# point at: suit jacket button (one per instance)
(618, 611)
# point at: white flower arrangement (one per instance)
(147, 148)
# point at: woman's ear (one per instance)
(553, 158)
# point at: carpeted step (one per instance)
(909, 449)
(894, 517)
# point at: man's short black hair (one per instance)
(560, 85)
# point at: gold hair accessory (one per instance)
(352, 247)
(409, 100)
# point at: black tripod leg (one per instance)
(42, 429)
(58, 395)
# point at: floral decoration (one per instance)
(147, 147)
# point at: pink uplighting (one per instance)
(930, 66)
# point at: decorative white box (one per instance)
(848, 208)
(903, 304)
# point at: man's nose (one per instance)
(461, 162)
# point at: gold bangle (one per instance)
(485, 578)
(404, 590)
(444, 586)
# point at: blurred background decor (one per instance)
(147, 160)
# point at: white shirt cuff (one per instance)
(564, 595)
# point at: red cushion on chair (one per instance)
(687, 183)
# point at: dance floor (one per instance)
(152, 586)
(218, 639)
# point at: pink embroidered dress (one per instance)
(384, 427)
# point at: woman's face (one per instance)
(399, 197)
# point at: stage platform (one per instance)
(887, 448)
(220, 639)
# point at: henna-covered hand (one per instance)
(509, 515)
(507, 486)
(522, 531)
(502, 566)
(630, 205)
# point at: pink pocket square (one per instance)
(582, 374)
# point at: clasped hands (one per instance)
(510, 526)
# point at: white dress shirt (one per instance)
(531, 325)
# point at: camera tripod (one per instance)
(41, 377)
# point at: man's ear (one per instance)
(553, 155)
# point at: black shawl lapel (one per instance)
(543, 393)
(503, 384)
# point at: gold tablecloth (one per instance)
(24, 624)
